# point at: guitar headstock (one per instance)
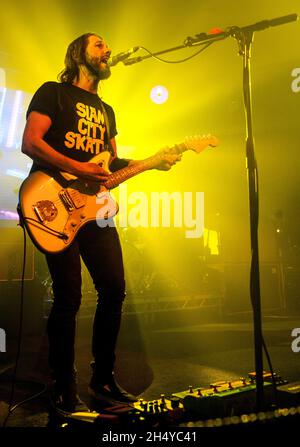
(198, 143)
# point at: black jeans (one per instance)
(101, 252)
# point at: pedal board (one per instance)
(161, 410)
(223, 398)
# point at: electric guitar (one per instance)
(54, 207)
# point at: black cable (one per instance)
(19, 334)
(271, 371)
(28, 399)
(179, 61)
(47, 229)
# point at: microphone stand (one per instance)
(244, 37)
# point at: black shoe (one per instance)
(67, 400)
(110, 393)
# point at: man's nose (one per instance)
(108, 51)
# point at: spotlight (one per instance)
(159, 94)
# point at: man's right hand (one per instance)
(92, 172)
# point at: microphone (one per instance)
(122, 56)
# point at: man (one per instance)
(67, 124)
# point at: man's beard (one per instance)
(99, 71)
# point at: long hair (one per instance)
(74, 57)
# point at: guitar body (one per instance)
(54, 208)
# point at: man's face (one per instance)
(97, 54)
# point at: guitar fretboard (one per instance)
(121, 175)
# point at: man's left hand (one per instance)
(167, 160)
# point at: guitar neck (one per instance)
(120, 176)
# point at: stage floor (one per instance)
(154, 359)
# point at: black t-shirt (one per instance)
(79, 127)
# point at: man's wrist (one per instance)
(75, 167)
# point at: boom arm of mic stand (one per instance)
(134, 60)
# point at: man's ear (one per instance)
(77, 56)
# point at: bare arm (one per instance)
(37, 149)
